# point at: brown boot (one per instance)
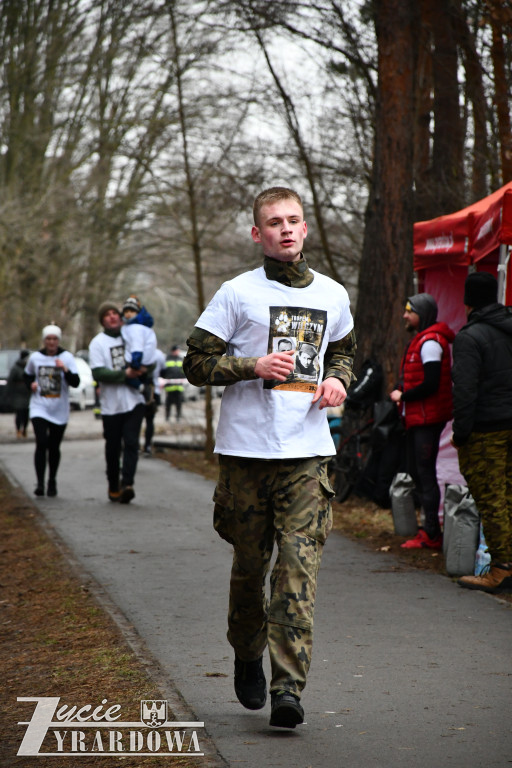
(490, 581)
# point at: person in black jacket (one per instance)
(482, 423)
(18, 393)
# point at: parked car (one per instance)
(7, 359)
(84, 395)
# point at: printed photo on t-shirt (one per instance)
(302, 330)
(283, 344)
(306, 362)
(117, 355)
(50, 380)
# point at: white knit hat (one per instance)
(51, 330)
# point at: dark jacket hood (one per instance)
(497, 315)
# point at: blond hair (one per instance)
(273, 195)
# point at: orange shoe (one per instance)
(496, 577)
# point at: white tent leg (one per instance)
(502, 272)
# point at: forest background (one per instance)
(135, 135)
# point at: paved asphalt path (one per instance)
(408, 668)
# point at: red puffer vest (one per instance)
(437, 407)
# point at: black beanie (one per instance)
(480, 290)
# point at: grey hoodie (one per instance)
(425, 306)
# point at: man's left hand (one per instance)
(332, 392)
(134, 373)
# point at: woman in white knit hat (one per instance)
(49, 373)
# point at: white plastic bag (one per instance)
(401, 492)
(461, 531)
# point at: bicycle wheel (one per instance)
(343, 484)
(348, 465)
(343, 469)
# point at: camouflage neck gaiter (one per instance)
(295, 274)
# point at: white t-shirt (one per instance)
(257, 316)
(431, 351)
(108, 352)
(139, 338)
(51, 400)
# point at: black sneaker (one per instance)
(286, 711)
(127, 494)
(250, 683)
(52, 488)
(39, 490)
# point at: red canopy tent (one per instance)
(445, 248)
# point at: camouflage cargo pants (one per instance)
(257, 503)
(486, 463)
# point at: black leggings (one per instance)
(422, 450)
(48, 439)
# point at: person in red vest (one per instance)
(424, 396)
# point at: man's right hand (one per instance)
(277, 366)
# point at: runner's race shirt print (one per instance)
(50, 380)
(117, 357)
(301, 330)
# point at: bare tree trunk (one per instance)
(499, 15)
(424, 106)
(448, 147)
(476, 94)
(192, 211)
(386, 265)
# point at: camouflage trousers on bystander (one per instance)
(486, 463)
